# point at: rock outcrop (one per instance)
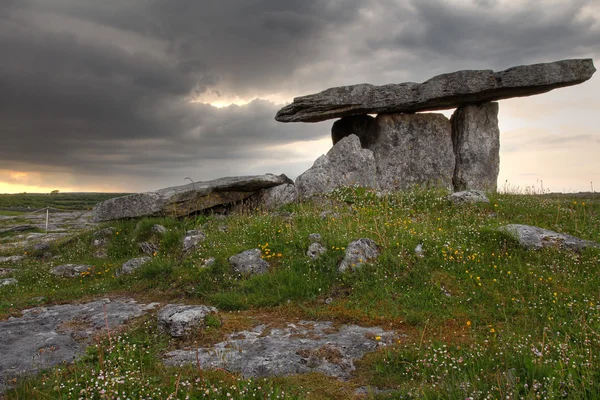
(476, 140)
(346, 164)
(132, 265)
(412, 149)
(533, 237)
(468, 197)
(179, 319)
(438, 93)
(184, 200)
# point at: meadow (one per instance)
(477, 315)
(23, 202)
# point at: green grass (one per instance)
(478, 315)
(63, 201)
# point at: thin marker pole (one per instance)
(46, 219)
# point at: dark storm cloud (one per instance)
(101, 88)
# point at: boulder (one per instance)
(315, 250)
(438, 93)
(358, 253)
(346, 164)
(476, 141)
(249, 262)
(413, 149)
(533, 237)
(70, 270)
(468, 196)
(178, 319)
(8, 282)
(276, 196)
(184, 200)
(192, 239)
(362, 126)
(130, 266)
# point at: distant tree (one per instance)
(54, 191)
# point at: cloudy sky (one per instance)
(135, 95)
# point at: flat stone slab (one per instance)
(438, 93)
(533, 237)
(47, 336)
(300, 348)
(179, 201)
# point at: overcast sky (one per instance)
(135, 95)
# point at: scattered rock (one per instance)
(362, 126)
(419, 250)
(192, 239)
(249, 262)
(536, 238)
(276, 196)
(8, 281)
(18, 228)
(6, 271)
(476, 140)
(469, 197)
(358, 253)
(101, 253)
(100, 242)
(39, 248)
(11, 259)
(413, 149)
(179, 319)
(158, 229)
(314, 238)
(296, 349)
(47, 336)
(438, 93)
(315, 250)
(105, 232)
(184, 200)
(223, 228)
(210, 261)
(132, 265)
(346, 164)
(70, 270)
(148, 248)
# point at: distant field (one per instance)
(63, 201)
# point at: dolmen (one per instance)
(400, 147)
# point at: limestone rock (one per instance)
(131, 265)
(249, 262)
(7, 271)
(158, 229)
(99, 242)
(315, 250)
(362, 126)
(148, 248)
(70, 270)
(314, 238)
(438, 93)
(413, 149)
(210, 261)
(11, 259)
(303, 347)
(346, 164)
(179, 319)
(276, 196)
(192, 239)
(184, 200)
(359, 252)
(8, 282)
(105, 232)
(536, 238)
(476, 141)
(468, 196)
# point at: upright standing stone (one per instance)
(476, 140)
(413, 149)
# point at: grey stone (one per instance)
(8, 282)
(223, 228)
(158, 229)
(184, 200)
(358, 253)
(276, 196)
(178, 319)
(100, 253)
(130, 266)
(438, 93)
(40, 247)
(148, 248)
(299, 348)
(7, 271)
(314, 238)
(11, 259)
(105, 232)
(362, 126)
(100, 242)
(315, 250)
(210, 261)
(192, 239)
(47, 336)
(413, 149)
(469, 197)
(476, 141)
(18, 228)
(346, 164)
(249, 262)
(536, 238)
(70, 270)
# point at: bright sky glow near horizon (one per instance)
(135, 96)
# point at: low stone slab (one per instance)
(296, 349)
(468, 197)
(179, 319)
(70, 270)
(536, 238)
(438, 93)
(132, 265)
(8, 282)
(184, 200)
(47, 336)
(11, 259)
(276, 196)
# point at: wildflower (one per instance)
(492, 330)
(468, 323)
(378, 338)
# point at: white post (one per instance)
(47, 219)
